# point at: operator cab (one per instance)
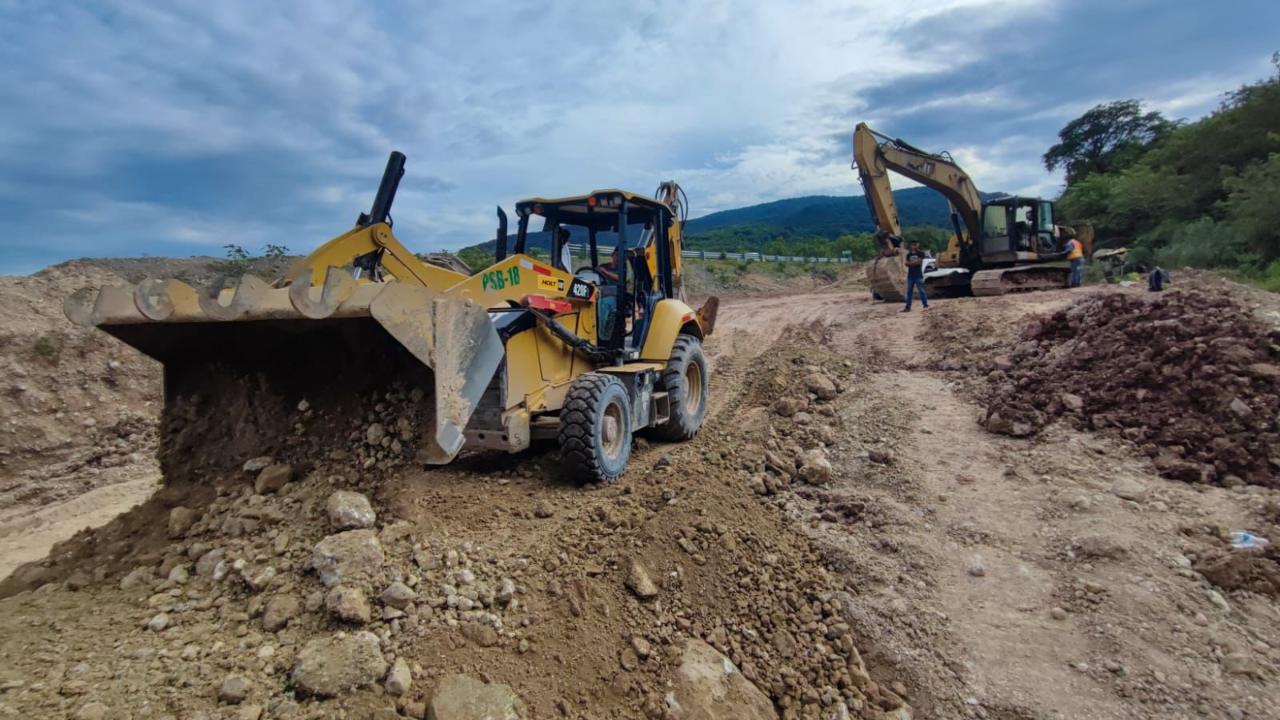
(598, 223)
(1017, 229)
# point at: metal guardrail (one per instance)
(581, 249)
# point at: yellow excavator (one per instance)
(1009, 244)
(522, 350)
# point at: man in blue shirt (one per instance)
(915, 275)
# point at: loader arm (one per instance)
(874, 155)
(394, 258)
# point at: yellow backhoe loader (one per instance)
(522, 350)
(1009, 244)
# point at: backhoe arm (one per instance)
(875, 154)
(671, 195)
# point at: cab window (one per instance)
(1046, 217)
(995, 223)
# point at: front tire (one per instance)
(685, 381)
(595, 429)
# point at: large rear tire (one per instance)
(595, 429)
(685, 381)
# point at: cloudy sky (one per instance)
(130, 127)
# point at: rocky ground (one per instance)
(844, 539)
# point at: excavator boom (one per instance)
(874, 155)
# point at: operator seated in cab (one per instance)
(608, 290)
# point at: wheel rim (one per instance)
(693, 388)
(612, 430)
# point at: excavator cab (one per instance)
(1017, 229)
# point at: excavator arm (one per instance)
(874, 155)
(873, 173)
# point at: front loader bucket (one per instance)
(455, 337)
(239, 357)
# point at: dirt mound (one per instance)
(1254, 570)
(1189, 377)
(78, 408)
(739, 277)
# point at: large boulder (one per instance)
(459, 697)
(709, 687)
(180, 521)
(272, 478)
(350, 511)
(354, 556)
(329, 666)
(815, 468)
(639, 582)
(279, 611)
(398, 595)
(821, 386)
(788, 406)
(348, 604)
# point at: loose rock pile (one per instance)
(1190, 378)
(308, 576)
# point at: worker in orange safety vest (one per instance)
(1075, 253)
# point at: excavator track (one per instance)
(1028, 278)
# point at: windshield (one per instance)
(637, 236)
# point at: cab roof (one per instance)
(598, 209)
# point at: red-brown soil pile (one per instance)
(1190, 378)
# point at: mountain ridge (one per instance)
(790, 221)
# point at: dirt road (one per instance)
(979, 575)
(1005, 577)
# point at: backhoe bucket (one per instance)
(240, 356)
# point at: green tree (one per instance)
(1108, 137)
(476, 258)
(1201, 194)
(1252, 206)
(932, 238)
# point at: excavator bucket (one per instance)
(887, 276)
(283, 345)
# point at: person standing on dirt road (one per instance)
(915, 275)
(1075, 253)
